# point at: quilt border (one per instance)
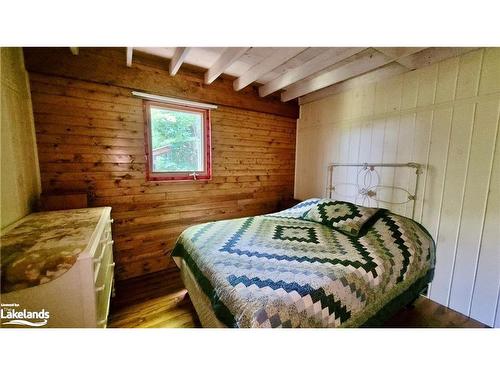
(225, 316)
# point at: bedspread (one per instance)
(280, 270)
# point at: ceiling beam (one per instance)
(387, 71)
(370, 60)
(130, 52)
(367, 62)
(276, 59)
(398, 52)
(431, 56)
(322, 61)
(225, 60)
(420, 59)
(177, 60)
(74, 50)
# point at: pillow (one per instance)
(346, 217)
(298, 211)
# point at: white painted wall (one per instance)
(446, 117)
(20, 176)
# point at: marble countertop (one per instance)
(43, 246)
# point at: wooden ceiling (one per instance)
(300, 72)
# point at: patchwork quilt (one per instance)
(281, 270)
(346, 217)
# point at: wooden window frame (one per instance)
(206, 174)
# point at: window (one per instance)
(177, 142)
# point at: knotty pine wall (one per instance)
(90, 136)
(445, 116)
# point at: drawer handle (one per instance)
(100, 289)
(111, 221)
(99, 260)
(112, 265)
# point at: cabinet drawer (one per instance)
(102, 265)
(103, 274)
(106, 257)
(100, 255)
(103, 296)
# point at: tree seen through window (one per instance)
(177, 140)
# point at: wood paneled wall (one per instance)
(90, 135)
(445, 116)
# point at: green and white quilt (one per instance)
(282, 270)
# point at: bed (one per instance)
(287, 270)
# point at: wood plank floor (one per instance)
(150, 302)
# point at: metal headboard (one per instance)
(365, 185)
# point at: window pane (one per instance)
(177, 139)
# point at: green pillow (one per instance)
(346, 217)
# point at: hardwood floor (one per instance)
(149, 302)
(429, 314)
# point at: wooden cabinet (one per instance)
(80, 296)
